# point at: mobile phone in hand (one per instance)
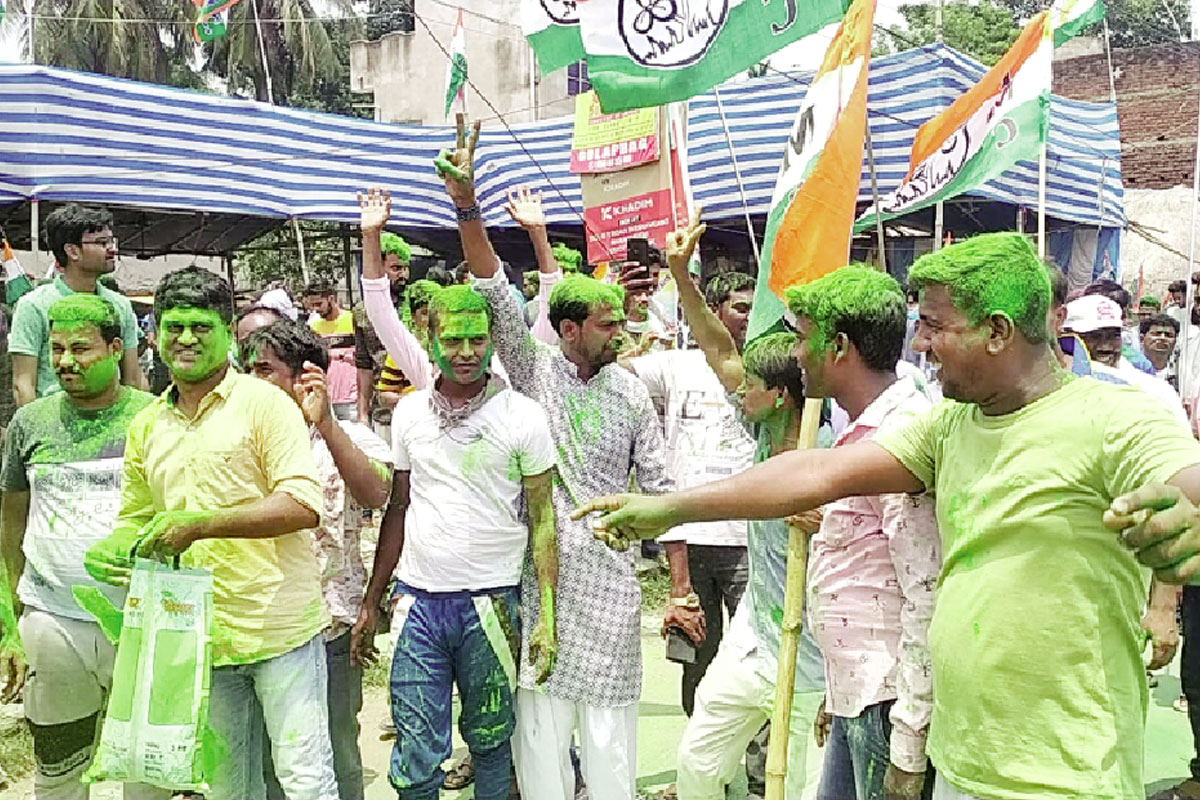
(638, 250)
(680, 648)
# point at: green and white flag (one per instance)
(653, 52)
(552, 28)
(456, 70)
(1003, 119)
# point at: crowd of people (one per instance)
(984, 569)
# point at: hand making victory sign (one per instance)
(457, 168)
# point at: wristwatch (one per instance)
(689, 601)
(467, 214)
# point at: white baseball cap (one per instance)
(1092, 312)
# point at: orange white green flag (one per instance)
(999, 121)
(812, 209)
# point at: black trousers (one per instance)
(1189, 666)
(719, 576)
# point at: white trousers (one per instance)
(732, 703)
(542, 743)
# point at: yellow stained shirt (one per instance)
(248, 440)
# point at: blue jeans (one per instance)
(288, 693)
(445, 638)
(857, 756)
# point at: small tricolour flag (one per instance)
(552, 28)
(456, 70)
(812, 209)
(16, 282)
(999, 121)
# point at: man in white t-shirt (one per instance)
(469, 454)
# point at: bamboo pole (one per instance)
(793, 619)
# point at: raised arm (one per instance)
(525, 208)
(714, 339)
(457, 168)
(789, 483)
(404, 348)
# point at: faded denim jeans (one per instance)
(288, 693)
(857, 755)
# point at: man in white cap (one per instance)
(1097, 321)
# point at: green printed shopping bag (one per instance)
(155, 722)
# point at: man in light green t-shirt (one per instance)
(85, 248)
(1050, 491)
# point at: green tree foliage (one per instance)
(146, 40)
(274, 256)
(389, 16)
(1131, 23)
(300, 46)
(983, 30)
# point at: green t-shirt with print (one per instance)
(1040, 691)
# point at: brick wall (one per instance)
(1157, 89)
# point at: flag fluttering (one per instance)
(212, 19)
(999, 121)
(812, 209)
(648, 54)
(552, 28)
(456, 69)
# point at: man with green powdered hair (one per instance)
(1053, 494)
(604, 428)
(469, 454)
(62, 487)
(219, 470)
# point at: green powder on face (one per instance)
(852, 295)
(211, 348)
(82, 307)
(993, 273)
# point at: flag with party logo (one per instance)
(456, 70)
(999, 121)
(653, 52)
(552, 29)
(212, 19)
(812, 208)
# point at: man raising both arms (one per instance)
(1036, 697)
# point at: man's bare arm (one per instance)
(713, 338)
(789, 483)
(24, 378)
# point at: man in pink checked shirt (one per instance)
(875, 560)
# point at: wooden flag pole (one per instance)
(793, 620)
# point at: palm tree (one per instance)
(300, 47)
(146, 40)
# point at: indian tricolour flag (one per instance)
(999, 121)
(456, 70)
(552, 28)
(16, 282)
(812, 209)
(649, 53)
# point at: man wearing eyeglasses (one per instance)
(84, 247)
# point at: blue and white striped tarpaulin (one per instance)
(69, 136)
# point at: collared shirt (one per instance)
(336, 541)
(31, 327)
(603, 429)
(247, 441)
(871, 575)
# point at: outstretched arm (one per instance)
(789, 483)
(457, 168)
(525, 208)
(710, 333)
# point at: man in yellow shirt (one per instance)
(220, 470)
(335, 325)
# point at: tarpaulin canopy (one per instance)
(69, 136)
